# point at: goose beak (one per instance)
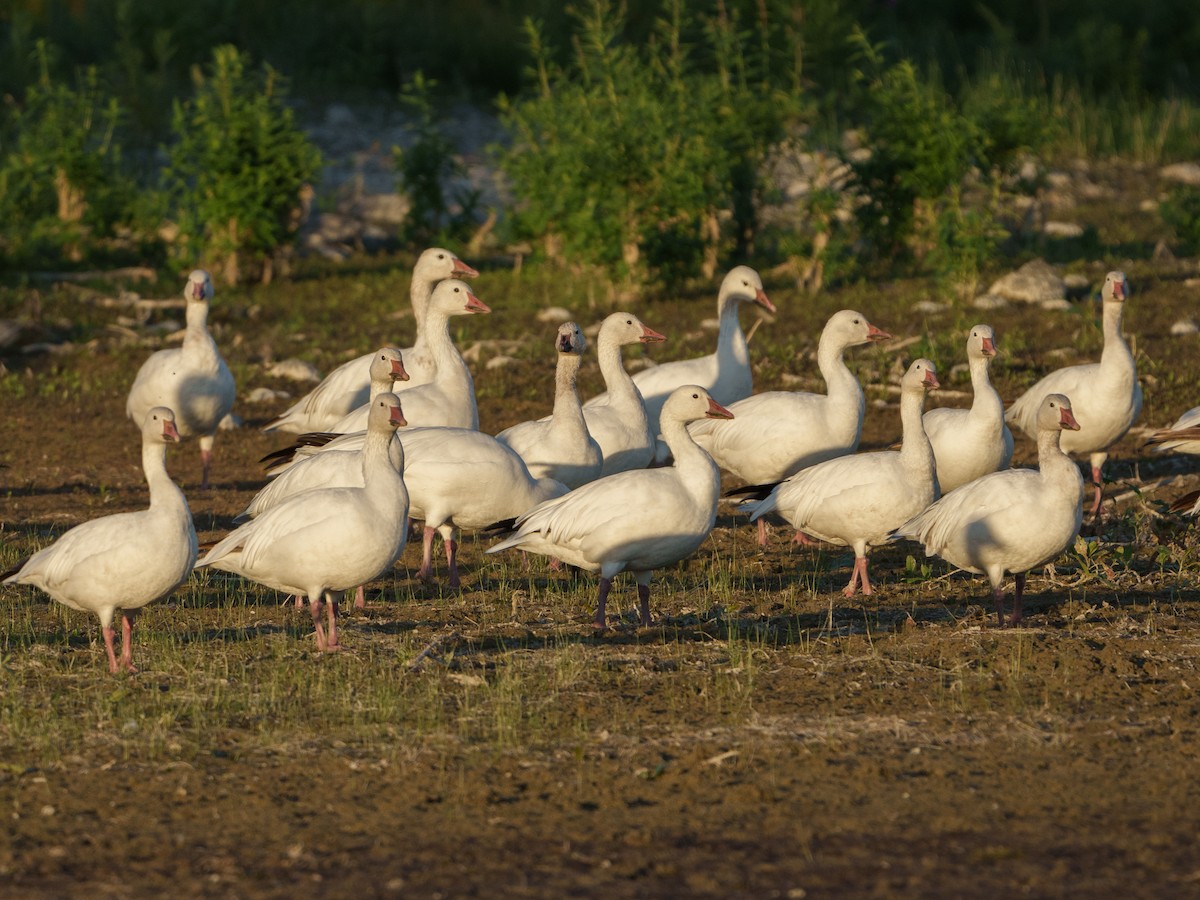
(761, 298)
(717, 411)
(462, 270)
(877, 334)
(396, 417)
(398, 371)
(989, 347)
(1119, 289)
(650, 336)
(475, 305)
(1067, 419)
(170, 432)
(931, 383)
(197, 290)
(565, 345)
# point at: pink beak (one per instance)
(717, 411)
(761, 298)
(197, 290)
(877, 334)
(931, 381)
(462, 270)
(650, 336)
(1118, 290)
(989, 347)
(1067, 419)
(396, 417)
(398, 371)
(170, 432)
(475, 305)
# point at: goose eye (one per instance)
(856, 321)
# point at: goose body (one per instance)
(970, 443)
(637, 520)
(859, 500)
(191, 380)
(725, 373)
(348, 386)
(560, 447)
(1012, 520)
(323, 542)
(123, 561)
(1105, 396)
(1182, 437)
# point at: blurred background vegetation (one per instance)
(636, 140)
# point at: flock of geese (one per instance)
(629, 481)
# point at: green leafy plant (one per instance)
(237, 169)
(1181, 211)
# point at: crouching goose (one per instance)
(124, 561)
(1010, 521)
(637, 520)
(191, 380)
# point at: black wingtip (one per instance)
(1186, 502)
(503, 528)
(754, 491)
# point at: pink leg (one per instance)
(762, 532)
(804, 540)
(360, 599)
(426, 570)
(127, 641)
(315, 607)
(644, 601)
(299, 601)
(206, 458)
(109, 634)
(1018, 597)
(998, 599)
(601, 600)
(452, 562)
(866, 578)
(332, 643)
(852, 587)
(1097, 479)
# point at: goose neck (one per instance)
(567, 408)
(915, 448)
(612, 370)
(731, 340)
(1116, 352)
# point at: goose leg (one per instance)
(1018, 595)
(109, 634)
(1098, 481)
(998, 599)
(334, 597)
(315, 607)
(762, 532)
(127, 640)
(360, 599)
(601, 600)
(803, 539)
(866, 578)
(643, 589)
(452, 562)
(852, 587)
(206, 458)
(426, 570)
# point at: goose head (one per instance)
(388, 365)
(921, 376)
(455, 298)
(1116, 287)
(743, 285)
(160, 425)
(690, 403)
(849, 328)
(570, 339)
(437, 263)
(625, 328)
(385, 414)
(1055, 414)
(199, 287)
(981, 342)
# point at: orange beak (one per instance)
(462, 270)
(989, 347)
(170, 432)
(877, 334)
(931, 382)
(398, 371)
(650, 336)
(717, 411)
(1067, 419)
(475, 305)
(761, 298)
(396, 417)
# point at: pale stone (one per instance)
(294, 370)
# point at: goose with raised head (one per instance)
(124, 561)
(970, 443)
(724, 373)
(619, 424)
(191, 380)
(1010, 521)
(387, 368)
(348, 386)
(1105, 396)
(859, 500)
(635, 521)
(321, 543)
(560, 447)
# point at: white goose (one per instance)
(638, 520)
(560, 447)
(124, 561)
(619, 424)
(726, 373)
(1010, 521)
(1182, 437)
(458, 478)
(192, 380)
(969, 443)
(778, 433)
(348, 386)
(1106, 396)
(859, 500)
(322, 543)
(387, 368)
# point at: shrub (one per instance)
(1181, 211)
(237, 169)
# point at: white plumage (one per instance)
(1105, 396)
(636, 520)
(1010, 521)
(859, 500)
(387, 368)
(1182, 437)
(321, 543)
(191, 380)
(124, 561)
(969, 443)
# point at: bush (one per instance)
(237, 169)
(1181, 211)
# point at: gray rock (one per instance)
(1181, 173)
(265, 395)
(1185, 326)
(929, 306)
(554, 315)
(1034, 282)
(989, 301)
(1062, 230)
(294, 370)
(1057, 305)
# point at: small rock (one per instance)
(711, 324)
(382, 209)
(9, 332)
(1034, 282)
(1077, 283)
(929, 306)
(1062, 230)
(230, 422)
(554, 315)
(265, 395)
(294, 370)
(1058, 304)
(1148, 206)
(499, 362)
(1182, 173)
(1185, 326)
(989, 301)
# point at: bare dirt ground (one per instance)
(766, 738)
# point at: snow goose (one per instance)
(859, 500)
(619, 424)
(458, 478)
(968, 443)
(192, 380)
(1105, 396)
(348, 386)
(321, 543)
(726, 373)
(1010, 521)
(637, 520)
(124, 561)
(560, 447)
(1182, 437)
(387, 368)
(777, 433)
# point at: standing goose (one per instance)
(969, 443)
(637, 520)
(322, 543)
(387, 368)
(1182, 437)
(192, 380)
(859, 500)
(1105, 396)
(348, 386)
(778, 433)
(124, 561)
(560, 447)
(619, 424)
(726, 373)
(1010, 521)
